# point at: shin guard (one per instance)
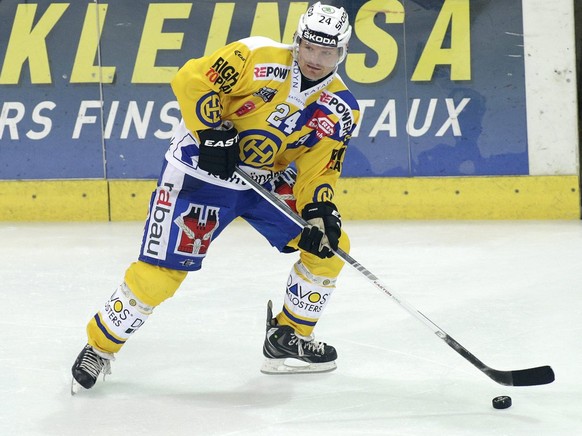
(305, 299)
(121, 316)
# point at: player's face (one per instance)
(316, 61)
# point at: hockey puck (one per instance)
(501, 402)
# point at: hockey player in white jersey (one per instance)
(283, 115)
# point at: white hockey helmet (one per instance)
(326, 26)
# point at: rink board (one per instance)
(519, 197)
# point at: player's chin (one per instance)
(313, 73)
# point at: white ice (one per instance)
(510, 292)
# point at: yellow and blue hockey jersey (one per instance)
(256, 84)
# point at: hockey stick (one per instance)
(522, 377)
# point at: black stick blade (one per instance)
(542, 375)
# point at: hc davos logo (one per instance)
(208, 109)
(259, 147)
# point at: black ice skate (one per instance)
(287, 353)
(87, 367)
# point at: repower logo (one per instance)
(340, 108)
(276, 72)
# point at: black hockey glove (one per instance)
(219, 151)
(324, 230)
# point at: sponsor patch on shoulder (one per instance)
(340, 108)
(277, 72)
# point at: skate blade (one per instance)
(76, 387)
(295, 366)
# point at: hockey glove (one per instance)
(324, 229)
(219, 151)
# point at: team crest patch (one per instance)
(209, 109)
(323, 193)
(197, 225)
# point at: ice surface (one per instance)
(510, 292)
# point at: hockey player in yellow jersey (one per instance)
(283, 115)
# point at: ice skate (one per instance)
(87, 367)
(288, 353)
